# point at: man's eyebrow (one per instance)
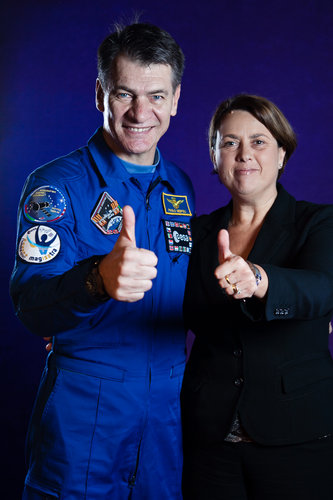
(159, 91)
(120, 87)
(116, 88)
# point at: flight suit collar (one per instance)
(109, 165)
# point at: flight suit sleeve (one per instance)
(48, 281)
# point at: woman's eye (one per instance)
(229, 144)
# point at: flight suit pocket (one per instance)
(62, 440)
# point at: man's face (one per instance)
(137, 108)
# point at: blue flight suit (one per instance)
(106, 422)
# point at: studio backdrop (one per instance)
(281, 50)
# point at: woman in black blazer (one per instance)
(257, 396)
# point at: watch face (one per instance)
(91, 282)
(257, 275)
(94, 284)
(256, 272)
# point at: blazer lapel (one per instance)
(276, 229)
(208, 251)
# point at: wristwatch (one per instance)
(94, 282)
(256, 272)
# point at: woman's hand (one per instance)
(49, 344)
(234, 273)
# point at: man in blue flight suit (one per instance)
(102, 251)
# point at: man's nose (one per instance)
(140, 109)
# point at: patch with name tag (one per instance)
(175, 204)
(108, 215)
(178, 236)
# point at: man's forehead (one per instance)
(126, 71)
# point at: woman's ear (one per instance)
(282, 154)
(213, 158)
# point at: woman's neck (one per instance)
(245, 224)
(246, 213)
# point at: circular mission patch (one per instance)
(39, 244)
(45, 204)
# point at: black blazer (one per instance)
(269, 361)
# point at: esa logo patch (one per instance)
(108, 215)
(178, 236)
(45, 204)
(39, 244)
(175, 204)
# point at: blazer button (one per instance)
(238, 353)
(238, 382)
(281, 311)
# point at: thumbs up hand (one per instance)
(127, 233)
(223, 245)
(127, 271)
(233, 272)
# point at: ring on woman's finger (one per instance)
(226, 277)
(235, 289)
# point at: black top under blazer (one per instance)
(267, 360)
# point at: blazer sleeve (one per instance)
(301, 286)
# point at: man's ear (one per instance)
(99, 96)
(175, 99)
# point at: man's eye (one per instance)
(157, 97)
(123, 95)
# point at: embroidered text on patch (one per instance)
(45, 204)
(39, 244)
(175, 204)
(178, 236)
(108, 215)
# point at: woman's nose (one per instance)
(244, 152)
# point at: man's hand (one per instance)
(127, 271)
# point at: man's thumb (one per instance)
(127, 233)
(223, 245)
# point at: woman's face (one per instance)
(246, 156)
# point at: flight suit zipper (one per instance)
(132, 477)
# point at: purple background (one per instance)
(282, 50)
